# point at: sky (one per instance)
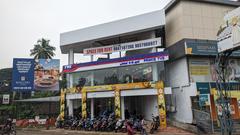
(23, 22)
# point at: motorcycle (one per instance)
(9, 128)
(155, 124)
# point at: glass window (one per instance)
(126, 74)
(137, 73)
(86, 75)
(106, 76)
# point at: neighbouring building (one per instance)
(134, 57)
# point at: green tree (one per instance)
(42, 50)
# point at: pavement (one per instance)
(33, 131)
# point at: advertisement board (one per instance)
(46, 74)
(149, 43)
(229, 34)
(23, 74)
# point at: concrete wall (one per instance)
(177, 73)
(178, 79)
(195, 20)
(183, 104)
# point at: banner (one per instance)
(149, 43)
(23, 74)
(124, 61)
(46, 74)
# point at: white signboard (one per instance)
(149, 43)
(6, 98)
(229, 34)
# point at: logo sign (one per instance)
(23, 74)
(6, 98)
(150, 43)
(229, 34)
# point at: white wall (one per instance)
(177, 73)
(178, 79)
(183, 103)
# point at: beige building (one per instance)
(191, 32)
(195, 19)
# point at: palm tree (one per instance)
(42, 50)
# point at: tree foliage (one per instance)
(43, 50)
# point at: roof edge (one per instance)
(172, 3)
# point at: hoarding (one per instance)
(149, 43)
(46, 74)
(23, 74)
(229, 33)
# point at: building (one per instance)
(138, 62)
(187, 29)
(191, 33)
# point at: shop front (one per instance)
(133, 88)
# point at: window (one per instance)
(86, 75)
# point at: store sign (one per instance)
(23, 74)
(143, 44)
(229, 35)
(124, 61)
(6, 99)
(201, 48)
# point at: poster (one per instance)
(23, 74)
(6, 99)
(46, 75)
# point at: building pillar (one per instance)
(122, 108)
(155, 72)
(71, 57)
(70, 107)
(92, 108)
(70, 61)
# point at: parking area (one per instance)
(168, 131)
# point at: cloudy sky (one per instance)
(23, 22)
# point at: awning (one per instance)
(45, 99)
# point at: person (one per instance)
(144, 127)
(47, 123)
(130, 130)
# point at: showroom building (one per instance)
(132, 58)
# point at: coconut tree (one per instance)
(42, 50)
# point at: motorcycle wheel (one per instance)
(151, 131)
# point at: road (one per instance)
(169, 131)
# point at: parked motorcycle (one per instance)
(8, 128)
(155, 124)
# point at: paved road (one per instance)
(169, 131)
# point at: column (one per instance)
(92, 108)
(70, 61)
(70, 107)
(71, 57)
(122, 108)
(155, 72)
